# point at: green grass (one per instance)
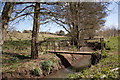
(37, 71)
(23, 44)
(104, 68)
(113, 43)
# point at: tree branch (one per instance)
(61, 25)
(45, 22)
(21, 15)
(25, 8)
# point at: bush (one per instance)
(14, 59)
(47, 65)
(54, 60)
(36, 71)
(104, 54)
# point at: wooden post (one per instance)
(73, 46)
(59, 45)
(67, 43)
(54, 47)
(46, 45)
(102, 44)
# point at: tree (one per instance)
(82, 18)
(6, 15)
(36, 24)
(20, 14)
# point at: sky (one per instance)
(111, 20)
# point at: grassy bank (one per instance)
(107, 68)
(16, 57)
(112, 43)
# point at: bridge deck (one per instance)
(70, 52)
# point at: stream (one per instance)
(78, 66)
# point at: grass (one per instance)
(36, 71)
(27, 36)
(21, 45)
(16, 52)
(113, 43)
(106, 68)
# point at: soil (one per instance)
(116, 52)
(24, 71)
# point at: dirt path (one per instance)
(115, 52)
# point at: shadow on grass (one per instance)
(17, 55)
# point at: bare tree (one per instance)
(82, 19)
(36, 24)
(6, 15)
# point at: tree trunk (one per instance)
(36, 25)
(78, 37)
(0, 47)
(6, 15)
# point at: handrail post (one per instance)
(73, 46)
(54, 47)
(47, 46)
(102, 44)
(59, 45)
(67, 43)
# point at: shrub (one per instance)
(47, 65)
(104, 54)
(54, 60)
(14, 59)
(36, 71)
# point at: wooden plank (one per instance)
(70, 52)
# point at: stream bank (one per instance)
(76, 67)
(24, 70)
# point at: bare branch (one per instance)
(25, 8)
(61, 25)
(21, 15)
(45, 22)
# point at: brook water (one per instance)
(78, 66)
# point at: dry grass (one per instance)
(27, 36)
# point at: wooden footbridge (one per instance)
(70, 52)
(68, 47)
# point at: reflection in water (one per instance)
(76, 67)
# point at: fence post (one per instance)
(47, 46)
(102, 44)
(73, 46)
(54, 47)
(59, 45)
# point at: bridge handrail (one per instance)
(70, 40)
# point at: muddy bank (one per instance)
(64, 60)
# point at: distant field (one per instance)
(27, 36)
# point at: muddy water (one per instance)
(78, 66)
